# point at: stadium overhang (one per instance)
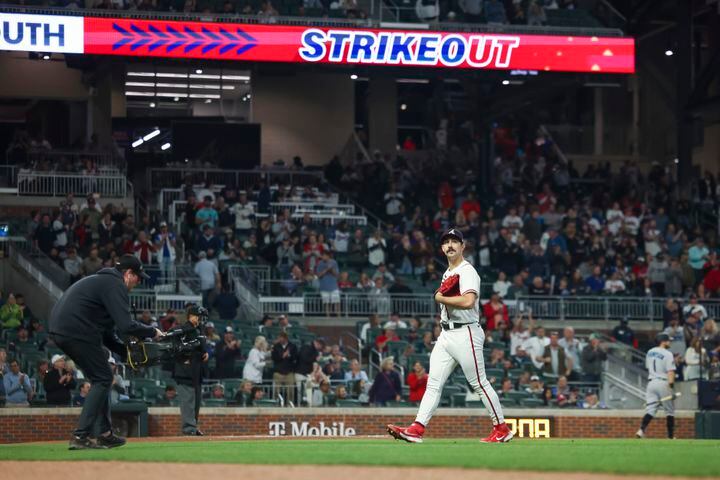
(320, 45)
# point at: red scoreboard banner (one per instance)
(296, 44)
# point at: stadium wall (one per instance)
(42, 424)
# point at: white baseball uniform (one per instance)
(462, 343)
(659, 361)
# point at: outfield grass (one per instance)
(652, 457)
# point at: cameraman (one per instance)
(188, 368)
(88, 316)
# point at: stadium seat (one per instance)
(214, 402)
(532, 402)
(349, 403)
(518, 395)
(475, 404)
(498, 373)
(266, 403)
(458, 400)
(508, 402)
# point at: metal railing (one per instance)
(241, 280)
(599, 308)
(98, 159)
(171, 177)
(159, 303)
(312, 21)
(351, 305)
(60, 184)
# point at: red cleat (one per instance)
(500, 434)
(411, 434)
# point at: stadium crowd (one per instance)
(518, 12)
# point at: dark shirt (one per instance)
(225, 360)
(385, 387)
(306, 357)
(282, 365)
(226, 305)
(94, 308)
(624, 334)
(56, 393)
(45, 237)
(187, 369)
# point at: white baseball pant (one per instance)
(463, 346)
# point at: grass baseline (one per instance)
(624, 456)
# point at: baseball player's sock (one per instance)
(646, 421)
(670, 426)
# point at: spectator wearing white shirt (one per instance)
(512, 221)
(342, 238)
(501, 285)
(394, 199)
(373, 322)
(395, 322)
(631, 223)
(376, 248)
(519, 335)
(694, 307)
(534, 347)
(209, 278)
(614, 217)
(244, 215)
(693, 355)
(614, 284)
(572, 347)
(255, 364)
(427, 10)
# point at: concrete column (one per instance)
(382, 113)
(100, 110)
(599, 122)
(635, 132)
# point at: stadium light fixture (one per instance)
(165, 146)
(137, 143)
(151, 135)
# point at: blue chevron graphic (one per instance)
(169, 38)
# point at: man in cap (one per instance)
(660, 364)
(187, 370)
(461, 343)
(90, 314)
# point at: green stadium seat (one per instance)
(532, 402)
(494, 345)
(457, 400)
(475, 404)
(401, 404)
(498, 373)
(508, 402)
(348, 403)
(515, 372)
(214, 402)
(518, 395)
(266, 403)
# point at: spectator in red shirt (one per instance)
(417, 381)
(495, 307)
(446, 198)
(470, 205)
(712, 279)
(344, 283)
(388, 336)
(312, 252)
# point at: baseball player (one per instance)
(460, 342)
(661, 375)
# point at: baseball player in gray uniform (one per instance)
(660, 364)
